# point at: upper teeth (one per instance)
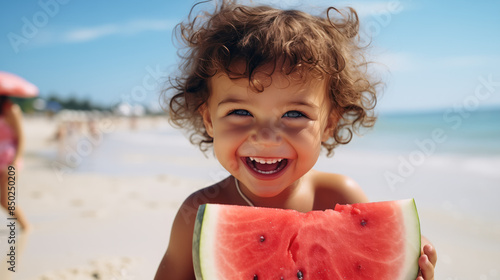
(266, 161)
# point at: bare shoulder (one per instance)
(177, 262)
(217, 193)
(330, 189)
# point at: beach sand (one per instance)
(96, 225)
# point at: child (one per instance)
(268, 88)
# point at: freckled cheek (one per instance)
(307, 144)
(227, 143)
(308, 136)
(230, 136)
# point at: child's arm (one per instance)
(427, 261)
(177, 263)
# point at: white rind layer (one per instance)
(413, 239)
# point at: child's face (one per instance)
(267, 140)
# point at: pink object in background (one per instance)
(13, 85)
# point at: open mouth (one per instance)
(266, 166)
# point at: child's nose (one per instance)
(266, 136)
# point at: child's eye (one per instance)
(240, 112)
(294, 114)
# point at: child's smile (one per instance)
(266, 166)
(267, 140)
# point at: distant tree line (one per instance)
(72, 103)
(26, 104)
(54, 103)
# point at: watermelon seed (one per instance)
(300, 275)
(262, 238)
(255, 277)
(363, 223)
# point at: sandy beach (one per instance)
(90, 222)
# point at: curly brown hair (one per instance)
(291, 40)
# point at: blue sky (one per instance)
(437, 54)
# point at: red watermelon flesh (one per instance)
(378, 240)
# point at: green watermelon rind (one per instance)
(196, 241)
(413, 237)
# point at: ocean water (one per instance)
(474, 133)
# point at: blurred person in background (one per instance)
(12, 143)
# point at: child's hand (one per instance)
(427, 263)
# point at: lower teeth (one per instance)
(265, 172)
(279, 167)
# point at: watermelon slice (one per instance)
(379, 240)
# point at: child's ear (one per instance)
(207, 119)
(332, 121)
